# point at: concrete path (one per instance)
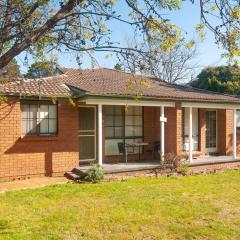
(31, 183)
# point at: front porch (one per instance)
(109, 168)
(212, 129)
(199, 164)
(205, 160)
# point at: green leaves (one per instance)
(86, 26)
(170, 4)
(190, 44)
(224, 79)
(200, 29)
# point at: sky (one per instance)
(208, 53)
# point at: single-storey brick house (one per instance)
(44, 133)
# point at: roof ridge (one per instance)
(136, 74)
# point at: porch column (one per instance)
(100, 134)
(162, 120)
(234, 135)
(190, 139)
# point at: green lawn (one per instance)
(192, 207)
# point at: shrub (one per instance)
(183, 169)
(171, 160)
(95, 173)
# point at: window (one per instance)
(114, 122)
(38, 119)
(238, 118)
(122, 126)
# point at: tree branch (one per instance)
(26, 43)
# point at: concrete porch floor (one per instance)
(148, 165)
(204, 160)
(125, 167)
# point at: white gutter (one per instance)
(129, 102)
(211, 105)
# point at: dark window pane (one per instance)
(32, 126)
(108, 110)
(86, 118)
(110, 132)
(24, 111)
(109, 121)
(86, 147)
(44, 126)
(44, 111)
(119, 131)
(119, 121)
(52, 111)
(31, 119)
(52, 125)
(119, 110)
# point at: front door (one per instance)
(211, 131)
(185, 128)
(87, 133)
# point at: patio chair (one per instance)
(155, 148)
(122, 148)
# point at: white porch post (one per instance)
(100, 134)
(162, 120)
(234, 135)
(190, 141)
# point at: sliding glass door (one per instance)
(122, 125)
(185, 129)
(211, 131)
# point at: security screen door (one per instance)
(211, 131)
(87, 133)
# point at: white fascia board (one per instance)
(211, 105)
(129, 102)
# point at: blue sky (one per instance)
(208, 53)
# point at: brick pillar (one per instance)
(224, 131)
(151, 129)
(178, 129)
(229, 132)
(173, 127)
(202, 131)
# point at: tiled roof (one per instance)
(108, 82)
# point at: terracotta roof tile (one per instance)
(104, 81)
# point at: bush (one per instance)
(171, 160)
(95, 173)
(183, 169)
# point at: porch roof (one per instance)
(103, 82)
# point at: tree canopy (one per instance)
(10, 72)
(223, 79)
(40, 26)
(42, 69)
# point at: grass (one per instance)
(192, 207)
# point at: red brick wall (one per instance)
(225, 130)
(173, 130)
(29, 156)
(202, 130)
(151, 129)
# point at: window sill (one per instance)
(39, 138)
